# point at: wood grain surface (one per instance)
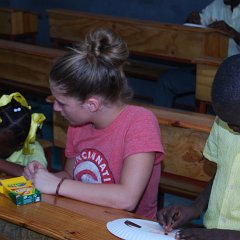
(17, 22)
(149, 38)
(26, 64)
(62, 218)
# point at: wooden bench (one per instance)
(147, 39)
(144, 37)
(47, 147)
(15, 23)
(143, 70)
(206, 70)
(183, 133)
(184, 171)
(25, 66)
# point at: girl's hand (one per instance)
(45, 181)
(31, 168)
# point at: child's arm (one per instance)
(10, 168)
(177, 215)
(230, 31)
(208, 234)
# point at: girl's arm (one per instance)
(135, 175)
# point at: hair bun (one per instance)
(107, 47)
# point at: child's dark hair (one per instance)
(15, 118)
(226, 90)
(94, 67)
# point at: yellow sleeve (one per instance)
(211, 146)
(21, 159)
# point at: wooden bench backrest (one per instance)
(26, 64)
(184, 135)
(148, 38)
(206, 70)
(17, 21)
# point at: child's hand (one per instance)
(193, 17)
(31, 169)
(223, 26)
(175, 216)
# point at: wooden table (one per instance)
(62, 219)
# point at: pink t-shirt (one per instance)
(100, 153)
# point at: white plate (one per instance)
(149, 230)
(194, 25)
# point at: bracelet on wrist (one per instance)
(59, 185)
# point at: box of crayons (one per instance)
(20, 190)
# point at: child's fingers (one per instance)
(32, 167)
(27, 174)
(166, 219)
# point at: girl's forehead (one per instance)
(60, 95)
(66, 99)
(55, 89)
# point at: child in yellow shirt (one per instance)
(220, 198)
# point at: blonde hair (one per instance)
(94, 67)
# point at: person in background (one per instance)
(220, 199)
(220, 14)
(113, 149)
(18, 127)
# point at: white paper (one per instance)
(149, 230)
(194, 25)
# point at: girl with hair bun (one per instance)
(113, 149)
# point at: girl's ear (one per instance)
(93, 104)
